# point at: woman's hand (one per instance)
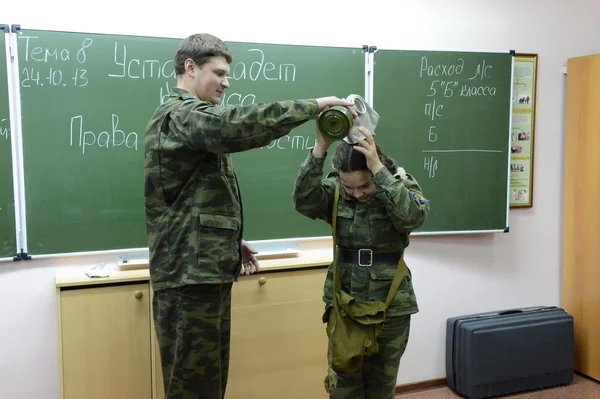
(367, 147)
(322, 144)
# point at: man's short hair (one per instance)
(200, 47)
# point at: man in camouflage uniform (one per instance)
(379, 205)
(194, 211)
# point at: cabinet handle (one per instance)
(139, 295)
(262, 281)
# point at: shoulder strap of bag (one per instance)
(336, 280)
(400, 274)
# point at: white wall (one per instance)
(453, 275)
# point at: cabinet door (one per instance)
(278, 341)
(157, 377)
(106, 342)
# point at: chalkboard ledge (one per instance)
(76, 278)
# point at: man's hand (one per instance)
(249, 262)
(326, 102)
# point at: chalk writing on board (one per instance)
(110, 138)
(238, 99)
(261, 68)
(4, 128)
(430, 166)
(483, 71)
(164, 93)
(466, 90)
(129, 67)
(37, 59)
(441, 69)
(432, 134)
(480, 91)
(52, 77)
(465, 150)
(35, 53)
(292, 143)
(445, 86)
(433, 110)
(441, 89)
(254, 66)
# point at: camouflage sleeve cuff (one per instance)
(316, 161)
(311, 166)
(312, 107)
(383, 178)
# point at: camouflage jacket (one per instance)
(382, 224)
(193, 206)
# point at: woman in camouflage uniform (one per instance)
(379, 205)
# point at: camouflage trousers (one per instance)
(193, 326)
(377, 379)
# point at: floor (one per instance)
(580, 388)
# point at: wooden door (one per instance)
(106, 342)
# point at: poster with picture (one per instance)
(522, 126)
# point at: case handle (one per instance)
(510, 311)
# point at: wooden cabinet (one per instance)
(581, 214)
(278, 342)
(105, 337)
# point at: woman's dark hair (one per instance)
(347, 159)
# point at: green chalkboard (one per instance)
(7, 201)
(86, 99)
(445, 116)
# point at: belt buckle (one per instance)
(360, 257)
